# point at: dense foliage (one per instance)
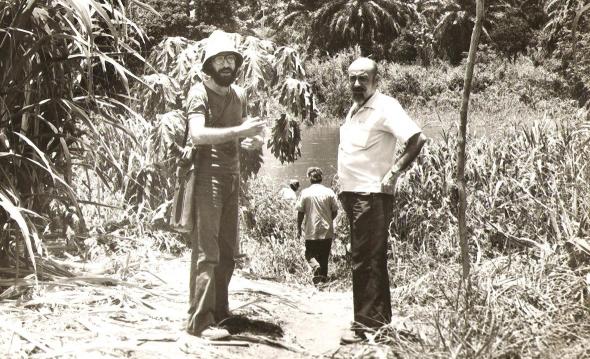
(60, 78)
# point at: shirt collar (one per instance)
(370, 103)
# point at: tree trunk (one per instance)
(463, 240)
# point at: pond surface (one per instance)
(319, 147)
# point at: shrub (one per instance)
(329, 77)
(511, 36)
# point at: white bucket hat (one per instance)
(220, 42)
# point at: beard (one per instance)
(222, 78)
(358, 96)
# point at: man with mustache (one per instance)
(218, 126)
(368, 171)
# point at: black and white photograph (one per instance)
(367, 179)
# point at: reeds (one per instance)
(528, 219)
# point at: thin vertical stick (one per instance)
(463, 139)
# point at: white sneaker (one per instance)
(213, 333)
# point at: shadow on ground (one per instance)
(240, 324)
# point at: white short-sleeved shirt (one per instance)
(288, 194)
(318, 202)
(367, 142)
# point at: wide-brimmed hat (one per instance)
(219, 42)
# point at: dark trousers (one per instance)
(320, 251)
(214, 245)
(369, 216)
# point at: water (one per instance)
(319, 147)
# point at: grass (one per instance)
(528, 204)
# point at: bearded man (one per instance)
(218, 125)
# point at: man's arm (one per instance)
(300, 216)
(202, 135)
(413, 147)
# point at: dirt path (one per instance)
(145, 318)
(307, 321)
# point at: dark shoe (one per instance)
(352, 337)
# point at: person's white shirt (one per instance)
(288, 194)
(368, 139)
(318, 203)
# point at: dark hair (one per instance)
(294, 184)
(207, 68)
(314, 174)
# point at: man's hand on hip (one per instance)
(389, 181)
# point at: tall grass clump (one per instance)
(528, 209)
(527, 188)
(64, 88)
(521, 305)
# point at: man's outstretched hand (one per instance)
(252, 143)
(253, 126)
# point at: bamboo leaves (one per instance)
(58, 99)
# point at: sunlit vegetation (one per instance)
(91, 114)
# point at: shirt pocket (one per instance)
(354, 138)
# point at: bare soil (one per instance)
(142, 313)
